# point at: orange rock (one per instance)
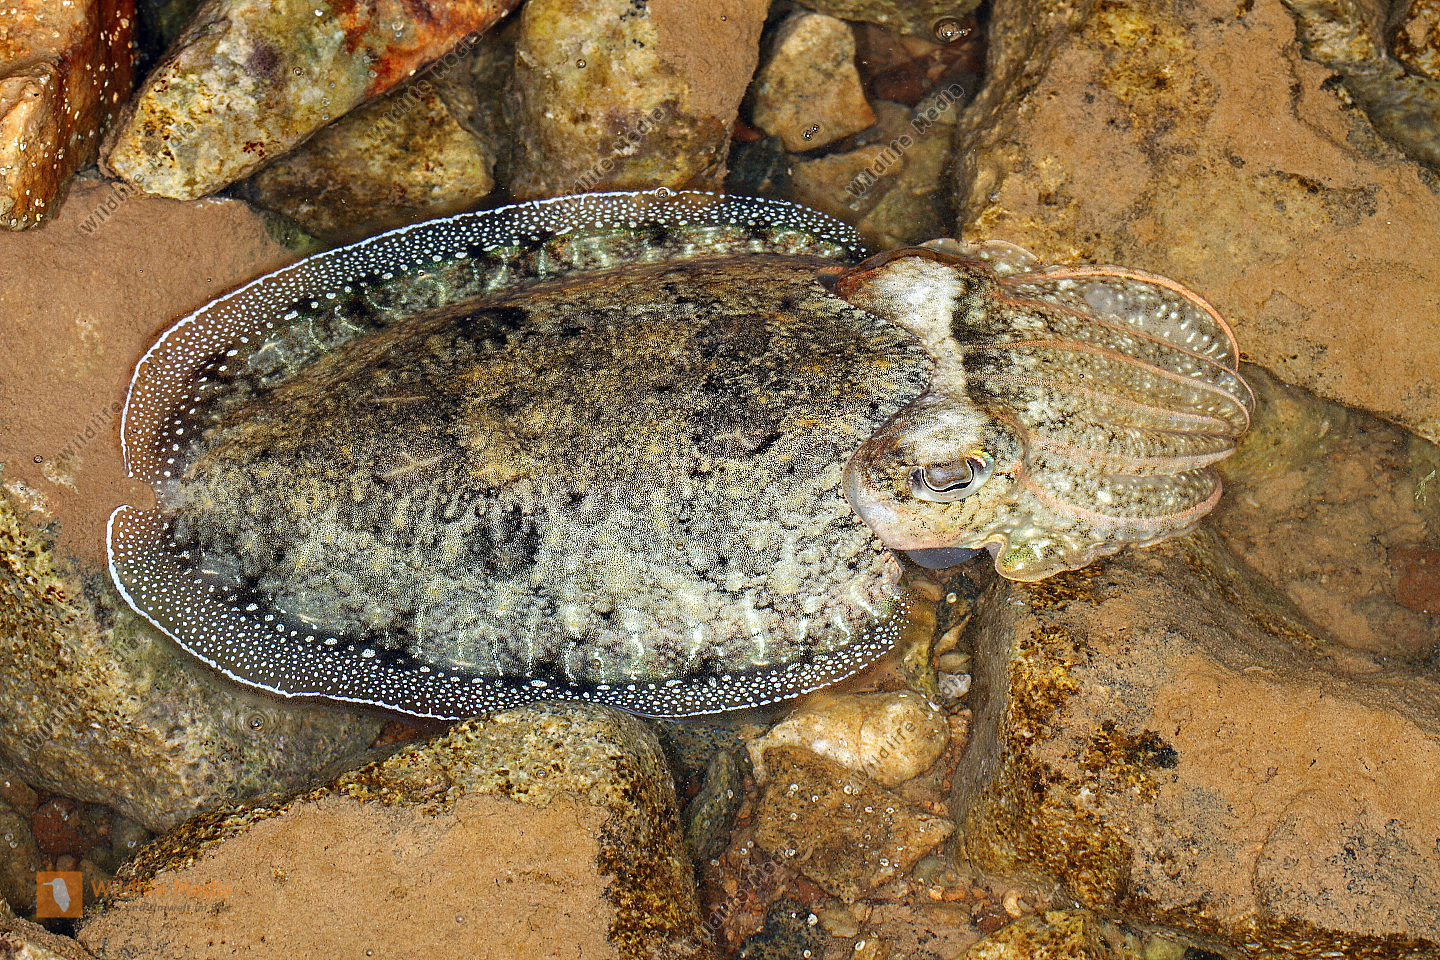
(64, 65)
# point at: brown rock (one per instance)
(399, 159)
(1165, 736)
(906, 70)
(92, 704)
(64, 65)
(1197, 143)
(838, 827)
(16, 793)
(249, 80)
(1309, 468)
(1419, 587)
(612, 95)
(19, 860)
(808, 93)
(548, 830)
(62, 825)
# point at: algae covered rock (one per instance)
(248, 81)
(1170, 740)
(548, 828)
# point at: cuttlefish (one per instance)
(656, 450)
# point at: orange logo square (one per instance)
(58, 893)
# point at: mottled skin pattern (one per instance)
(1102, 396)
(633, 475)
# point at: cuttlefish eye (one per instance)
(943, 483)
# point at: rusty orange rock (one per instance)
(248, 80)
(64, 66)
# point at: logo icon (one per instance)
(58, 893)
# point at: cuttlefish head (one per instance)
(1072, 411)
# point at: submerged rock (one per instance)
(838, 827)
(808, 93)
(248, 81)
(788, 932)
(64, 65)
(548, 828)
(1402, 103)
(93, 705)
(889, 737)
(1310, 468)
(402, 158)
(1170, 740)
(1148, 135)
(1062, 935)
(891, 186)
(614, 95)
(19, 861)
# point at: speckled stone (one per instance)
(787, 934)
(1169, 739)
(545, 756)
(247, 81)
(64, 66)
(96, 707)
(614, 95)
(808, 92)
(839, 828)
